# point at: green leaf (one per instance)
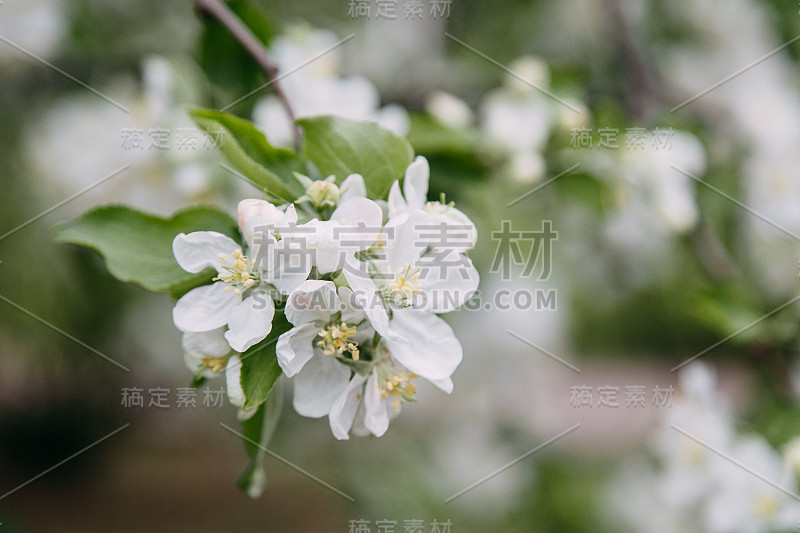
(340, 147)
(247, 149)
(259, 429)
(260, 367)
(730, 311)
(137, 247)
(231, 69)
(429, 137)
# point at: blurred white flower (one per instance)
(694, 487)
(449, 110)
(744, 503)
(318, 89)
(653, 202)
(519, 118)
(759, 110)
(37, 26)
(533, 70)
(82, 138)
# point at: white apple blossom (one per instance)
(339, 373)
(415, 197)
(354, 226)
(235, 299)
(408, 274)
(207, 354)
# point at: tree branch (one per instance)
(218, 10)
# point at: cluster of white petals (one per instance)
(709, 477)
(362, 289)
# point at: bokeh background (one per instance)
(660, 139)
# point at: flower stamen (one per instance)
(403, 286)
(335, 340)
(241, 273)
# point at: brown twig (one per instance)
(642, 86)
(254, 47)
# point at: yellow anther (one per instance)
(335, 339)
(403, 286)
(240, 275)
(397, 384)
(215, 364)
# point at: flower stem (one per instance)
(254, 47)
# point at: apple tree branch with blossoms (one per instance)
(335, 278)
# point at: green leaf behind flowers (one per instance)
(137, 247)
(268, 167)
(340, 147)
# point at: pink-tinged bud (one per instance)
(267, 213)
(323, 192)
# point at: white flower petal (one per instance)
(204, 308)
(344, 409)
(397, 204)
(319, 385)
(312, 300)
(294, 348)
(405, 238)
(431, 349)
(290, 217)
(444, 384)
(415, 183)
(202, 345)
(447, 279)
(461, 232)
(201, 249)
(358, 212)
(352, 312)
(250, 322)
(290, 268)
(366, 294)
(353, 187)
(233, 373)
(376, 416)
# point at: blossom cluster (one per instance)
(361, 282)
(709, 477)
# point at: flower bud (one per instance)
(263, 210)
(534, 70)
(449, 110)
(322, 193)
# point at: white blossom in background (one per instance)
(743, 502)
(693, 487)
(318, 88)
(759, 111)
(449, 110)
(82, 138)
(652, 201)
(519, 118)
(37, 26)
